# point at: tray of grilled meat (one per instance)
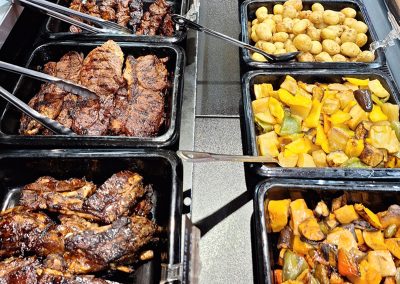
(139, 87)
(84, 217)
(149, 21)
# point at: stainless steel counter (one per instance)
(221, 205)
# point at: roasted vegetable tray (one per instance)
(247, 13)
(376, 196)
(26, 88)
(159, 168)
(56, 29)
(323, 76)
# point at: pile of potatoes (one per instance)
(320, 35)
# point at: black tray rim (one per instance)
(245, 54)
(314, 173)
(162, 141)
(179, 35)
(174, 236)
(263, 266)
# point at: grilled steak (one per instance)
(152, 19)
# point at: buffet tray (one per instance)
(26, 88)
(159, 168)
(56, 29)
(308, 76)
(375, 196)
(247, 12)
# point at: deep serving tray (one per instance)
(26, 88)
(247, 14)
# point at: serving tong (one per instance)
(183, 22)
(68, 15)
(389, 40)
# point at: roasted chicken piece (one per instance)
(22, 231)
(65, 196)
(116, 196)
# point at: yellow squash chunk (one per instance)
(368, 274)
(278, 212)
(290, 84)
(268, 144)
(345, 98)
(383, 136)
(301, 111)
(301, 100)
(340, 117)
(305, 161)
(354, 147)
(357, 82)
(286, 97)
(312, 119)
(310, 230)
(393, 245)
(377, 114)
(260, 105)
(391, 111)
(382, 261)
(342, 238)
(300, 247)
(330, 106)
(319, 158)
(368, 215)
(265, 117)
(289, 161)
(376, 87)
(299, 212)
(262, 90)
(299, 146)
(321, 139)
(346, 214)
(338, 138)
(276, 109)
(360, 239)
(357, 115)
(391, 216)
(349, 106)
(374, 240)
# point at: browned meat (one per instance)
(120, 242)
(30, 271)
(21, 231)
(136, 13)
(116, 196)
(107, 9)
(89, 7)
(102, 69)
(141, 112)
(123, 13)
(167, 27)
(153, 18)
(144, 207)
(50, 99)
(66, 197)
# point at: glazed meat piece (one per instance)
(50, 99)
(167, 27)
(107, 9)
(121, 243)
(88, 7)
(22, 231)
(116, 196)
(144, 206)
(123, 13)
(141, 112)
(30, 271)
(102, 69)
(136, 13)
(153, 18)
(66, 196)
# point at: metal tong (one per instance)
(390, 38)
(182, 21)
(68, 15)
(204, 157)
(43, 120)
(61, 83)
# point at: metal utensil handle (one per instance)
(193, 156)
(62, 17)
(192, 25)
(63, 84)
(43, 120)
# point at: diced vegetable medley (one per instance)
(346, 243)
(319, 34)
(348, 124)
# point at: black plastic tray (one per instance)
(158, 167)
(26, 88)
(249, 8)
(376, 196)
(56, 29)
(309, 76)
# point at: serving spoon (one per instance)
(182, 21)
(204, 157)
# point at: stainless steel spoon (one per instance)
(182, 21)
(43, 120)
(202, 157)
